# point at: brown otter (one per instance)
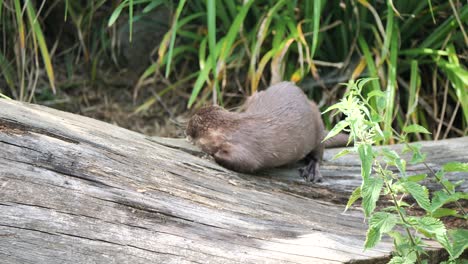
(278, 126)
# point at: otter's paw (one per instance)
(311, 172)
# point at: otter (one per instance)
(277, 126)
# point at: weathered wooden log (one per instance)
(77, 190)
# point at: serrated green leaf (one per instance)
(406, 148)
(363, 81)
(411, 258)
(389, 209)
(394, 159)
(400, 260)
(448, 184)
(353, 198)
(332, 107)
(373, 237)
(367, 113)
(366, 156)
(415, 148)
(398, 187)
(397, 260)
(397, 237)
(415, 129)
(418, 157)
(440, 198)
(463, 195)
(456, 166)
(444, 241)
(376, 93)
(336, 129)
(384, 222)
(419, 193)
(370, 194)
(460, 241)
(380, 103)
(390, 154)
(376, 118)
(416, 178)
(403, 204)
(441, 212)
(401, 165)
(342, 153)
(433, 228)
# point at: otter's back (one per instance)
(281, 124)
(277, 98)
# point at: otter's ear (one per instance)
(223, 156)
(224, 150)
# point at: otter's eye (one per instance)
(190, 130)
(191, 133)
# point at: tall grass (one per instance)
(28, 45)
(27, 61)
(413, 48)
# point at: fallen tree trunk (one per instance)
(77, 190)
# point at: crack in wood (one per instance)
(14, 127)
(65, 171)
(19, 146)
(168, 215)
(29, 229)
(89, 238)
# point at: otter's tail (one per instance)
(340, 140)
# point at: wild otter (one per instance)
(278, 126)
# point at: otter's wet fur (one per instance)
(278, 126)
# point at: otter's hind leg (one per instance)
(311, 172)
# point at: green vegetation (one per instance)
(380, 182)
(224, 50)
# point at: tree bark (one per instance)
(77, 190)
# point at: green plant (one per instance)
(223, 50)
(363, 124)
(246, 30)
(30, 46)
(35, 35)
(412, 48)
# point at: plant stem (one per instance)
(402, 217)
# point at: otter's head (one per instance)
(207, 128)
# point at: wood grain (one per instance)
(77, 190)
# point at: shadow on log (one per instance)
(77, 190)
